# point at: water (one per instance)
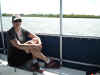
(71, 26)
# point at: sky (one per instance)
(88, 7)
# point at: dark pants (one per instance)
(17, 57)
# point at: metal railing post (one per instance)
(61, 16)
(2, 34)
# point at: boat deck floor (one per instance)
(7, 70)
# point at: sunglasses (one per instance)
(18, 20)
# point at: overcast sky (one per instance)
(91, 7)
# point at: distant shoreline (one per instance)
(55, 15)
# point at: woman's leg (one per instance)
(36, 52)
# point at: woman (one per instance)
(25, 44)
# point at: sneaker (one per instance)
(36, 67)
(53, 64)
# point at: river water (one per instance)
(71, 26)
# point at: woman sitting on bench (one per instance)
(21, 48)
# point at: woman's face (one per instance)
(16, 23)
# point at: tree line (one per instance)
(55, 15)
